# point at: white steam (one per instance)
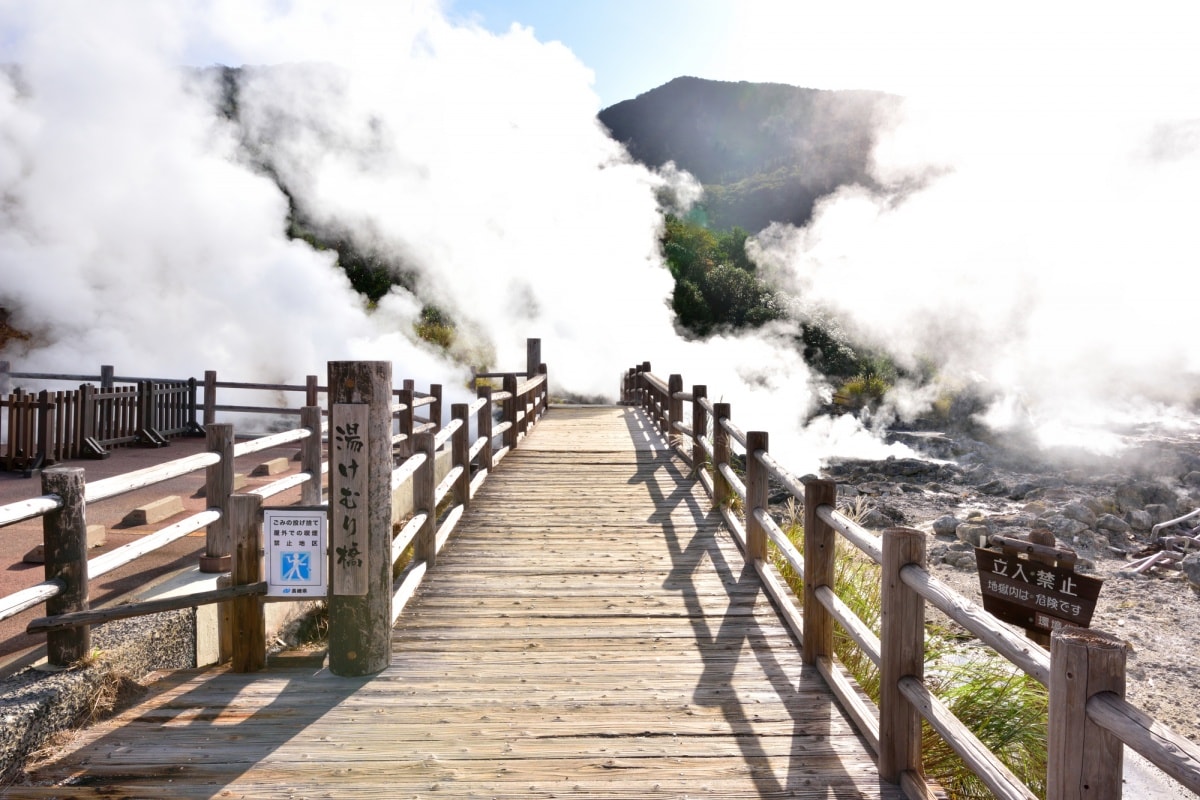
(1037, 236)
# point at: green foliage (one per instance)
(715, 284)
(1002, 706)
(436, 327)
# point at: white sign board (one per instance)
(294, 541)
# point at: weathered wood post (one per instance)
(543, 398)
(674, 407)
(1083, 760)
(404, 420)
(424, 500)
(218, 486)
(509, 406)
(360, 517)
(435, 408)
(902, 642)
(5, 378)
(310, 455)
(722, 491)
(643, 386)
(460, 449)
(46, 422)
(533, 357)
(483, 423)
(699, 427)
(311, 389)
(107, 372)
(210, 397)
(64, 533)
(820, 546)
(247, 622)
(757, 494)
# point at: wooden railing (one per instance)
(233, 522)
(1089, 719)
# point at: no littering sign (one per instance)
(294, 546)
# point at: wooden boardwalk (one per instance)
(590, 630)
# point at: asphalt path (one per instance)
(18, 648)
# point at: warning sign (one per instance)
(294, 542)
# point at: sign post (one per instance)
(1040, 592)
(360, 517)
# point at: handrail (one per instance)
(711, 456)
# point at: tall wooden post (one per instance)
(435, 408)
(820, 543)
(5, 378)
(106, 376)
(674, 407)
(247, 622)
(460, 447)
(218, 486)
(1083, 760)
(405, 422)
(311, 389)
(210, 397)
(360, 517)
(533, 357)
(902, 642)
(543, 401)
(46, 429)
(64, 534)
(722, 491)
(424, 492)
(510, 411)
(484, 425)
(757, 494)
(310, 455)
(699, 427)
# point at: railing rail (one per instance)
(232, 521)
(1084, 670)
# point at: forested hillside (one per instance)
(765, 152)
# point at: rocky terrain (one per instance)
(1103, 508)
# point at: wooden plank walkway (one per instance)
(589, 631)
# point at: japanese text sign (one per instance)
(294, 542)
(348, 499)
(1036, 596)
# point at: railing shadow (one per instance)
(814, 761)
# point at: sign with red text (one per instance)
(1033, 595)
(348, 499)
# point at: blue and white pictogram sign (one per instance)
(294, 543)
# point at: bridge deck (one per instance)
(590, 630)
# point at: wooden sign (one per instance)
(1034, 595)
(348, 499)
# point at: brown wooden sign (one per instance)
(1033, 595)
(348, 499)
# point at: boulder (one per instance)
(973, 533)
(1080, 512)
(946, 525)
(1191, 569)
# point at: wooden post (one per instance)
(64, 534)
(757, 485)
(902, 641)
(193, 422)
(543, 402)
(699, 427)
(722, 491)
(5, 378)
(674, 407)
(424, 486)
(484, 425)
(644, 386)
(210, 397)
(510, 410)
(106, 376)
(1083, 760)
(310, 455)
(311, 389)
(435, 408)
(247, 622)
(533, 357)
(218, 486)
(405, 422)
(460, 448)
(820, 546)
(45, 431)
(360, 561)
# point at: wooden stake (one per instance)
(247, 622)
(64, 534)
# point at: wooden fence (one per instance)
(1089, 719)
(411, 446)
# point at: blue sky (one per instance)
(631, 45)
